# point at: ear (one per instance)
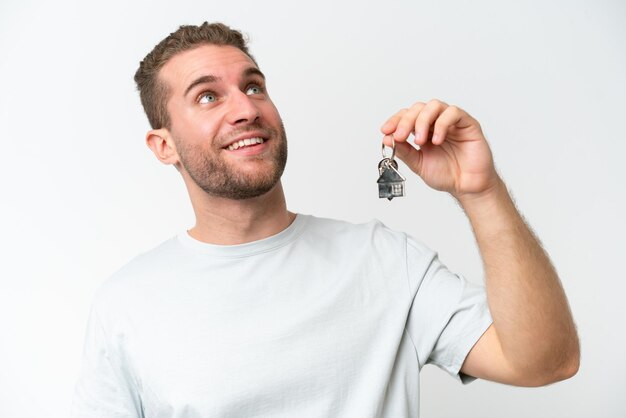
(162, 145)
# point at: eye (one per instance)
(254, 89)
(207, 97)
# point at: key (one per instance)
(390, 181)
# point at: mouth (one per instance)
(245, 143)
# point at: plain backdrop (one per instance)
(82, 194)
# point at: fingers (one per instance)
(411, 157)
(390, 126)
(425, 119)
(407, 153)
(451, 116)
(401, 124)
(421, 119)
(406, 124)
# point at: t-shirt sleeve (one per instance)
(448, 315)
(105, 387)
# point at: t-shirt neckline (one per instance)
(278, 240)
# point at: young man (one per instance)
(257, 311)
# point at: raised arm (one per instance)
(533, 339)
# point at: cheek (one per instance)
(198, 128)
(193, 124)
(272, 112)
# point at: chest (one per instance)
(224, 342)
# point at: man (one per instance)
(257, 311)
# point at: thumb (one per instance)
(410, 156)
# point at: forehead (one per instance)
(220, 61)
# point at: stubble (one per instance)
(220, 178)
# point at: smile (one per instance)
(245, 143)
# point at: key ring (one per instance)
(393, 149)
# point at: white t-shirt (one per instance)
(324, 319)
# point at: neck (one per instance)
(228, 222)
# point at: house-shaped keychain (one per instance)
(390, 182)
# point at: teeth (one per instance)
(245, 142)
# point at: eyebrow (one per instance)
(212, 79)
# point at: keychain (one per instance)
(390, 181)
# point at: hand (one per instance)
(453, 153)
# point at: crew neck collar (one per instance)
(249, 248)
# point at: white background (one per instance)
(82, 194)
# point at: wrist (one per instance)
(493, 193)
(491, 212)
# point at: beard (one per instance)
(218, 178)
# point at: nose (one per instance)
(242, 109)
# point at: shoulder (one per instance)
(336, 228)
(126, 284)
(373, 233)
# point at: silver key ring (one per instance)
(393, 149)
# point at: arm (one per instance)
(532, 340)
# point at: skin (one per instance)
(532, 340)
(205, 119)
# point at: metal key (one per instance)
(390, 181)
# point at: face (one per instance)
(228, 134)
